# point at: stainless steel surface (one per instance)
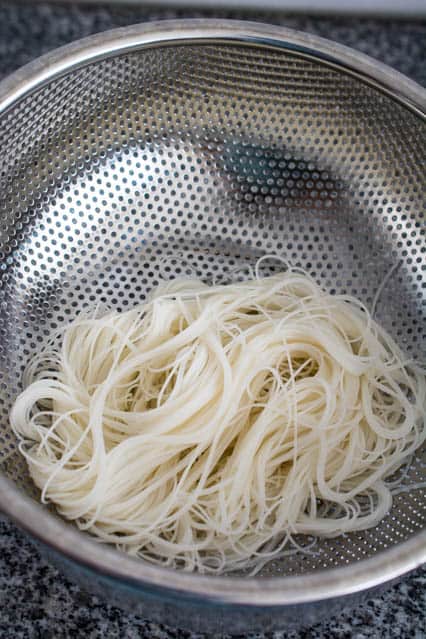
(192, 148)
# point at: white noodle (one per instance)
(206, 427)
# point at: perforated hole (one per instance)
(196, 160)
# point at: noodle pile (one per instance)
(206, 427)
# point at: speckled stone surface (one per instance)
(36, 602)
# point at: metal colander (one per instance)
(193, 149)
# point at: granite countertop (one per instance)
(37, 602)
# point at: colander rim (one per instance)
(123, 40)
(67, 540)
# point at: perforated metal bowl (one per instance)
(195, 147)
